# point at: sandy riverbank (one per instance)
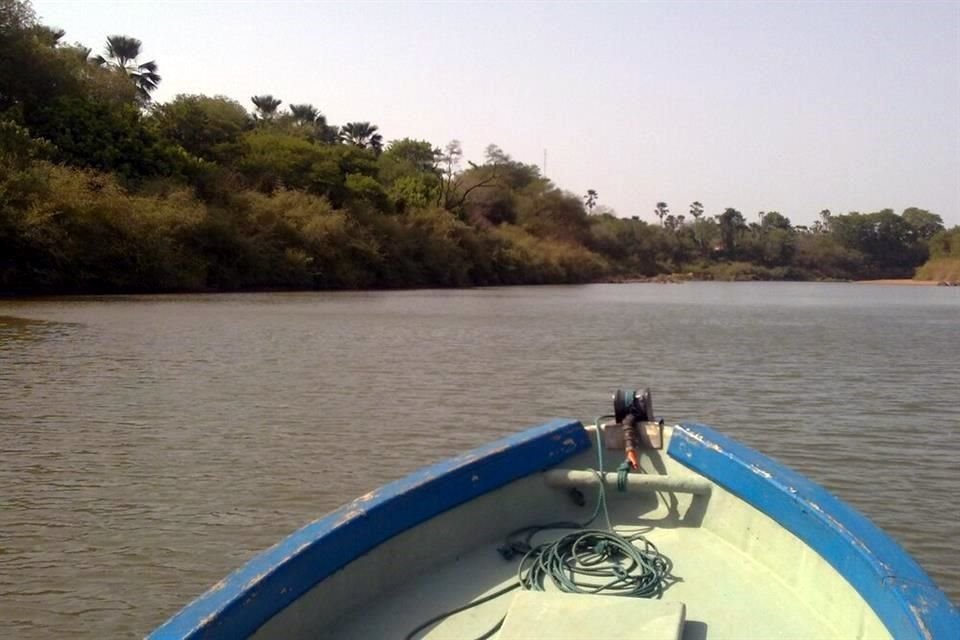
(903, 281)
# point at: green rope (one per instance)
(590, 561)
(622, 472)
(597, 562)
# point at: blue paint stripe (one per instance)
(267, 584)
(903, 596)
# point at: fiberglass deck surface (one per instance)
(727, 595)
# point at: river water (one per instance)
(151, 444)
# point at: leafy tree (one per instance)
(555, 214)
(18, 148)
(774, 220)
(415, 155)
(456, 186)
(823, 224)
(493, 154)
(16, 15)
(822, 256)
(121, 54)
(946, 244)
(326, 133)
(731, 224)
(269, 160)
(925, 224)
(205, 126)
(93, 134)
(408, 168)
(35, 68)
(365, 188)
(887, 241)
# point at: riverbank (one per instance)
(910, 283)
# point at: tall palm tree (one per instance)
(122, 53)
(696, 210)
(362, 134)
(590, 199)
(266, 106)
(661, 211)
(304, 114)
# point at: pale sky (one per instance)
(794, 107)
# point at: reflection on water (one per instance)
(150, 444)
(14, 330)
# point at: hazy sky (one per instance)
(759, 106)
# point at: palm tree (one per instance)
(362, 134)
(590, 199)
(661, 211)
(266, 106)
(327, 133)
(304, 114)
(122, 53)
(696, 210)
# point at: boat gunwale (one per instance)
(247, 598)
(891, 582)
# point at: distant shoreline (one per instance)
(904, 282)
(6, 296)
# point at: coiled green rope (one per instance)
(598, 562)
(591, 561)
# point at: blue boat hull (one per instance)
(905, 599)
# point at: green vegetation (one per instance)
(102, 189)
(944, 262)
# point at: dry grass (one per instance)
(899, 282)
(939, 270)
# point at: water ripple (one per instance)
(151, 444)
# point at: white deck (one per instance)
(718, 584)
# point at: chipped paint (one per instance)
(923, 627)
(348, 516)
(255, 580)
(367, 497)
(761, 472)
(701, 439)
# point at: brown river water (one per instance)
(151, 444)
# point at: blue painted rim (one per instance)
(903, 596)
(241, 603)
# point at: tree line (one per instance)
(104, 189)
